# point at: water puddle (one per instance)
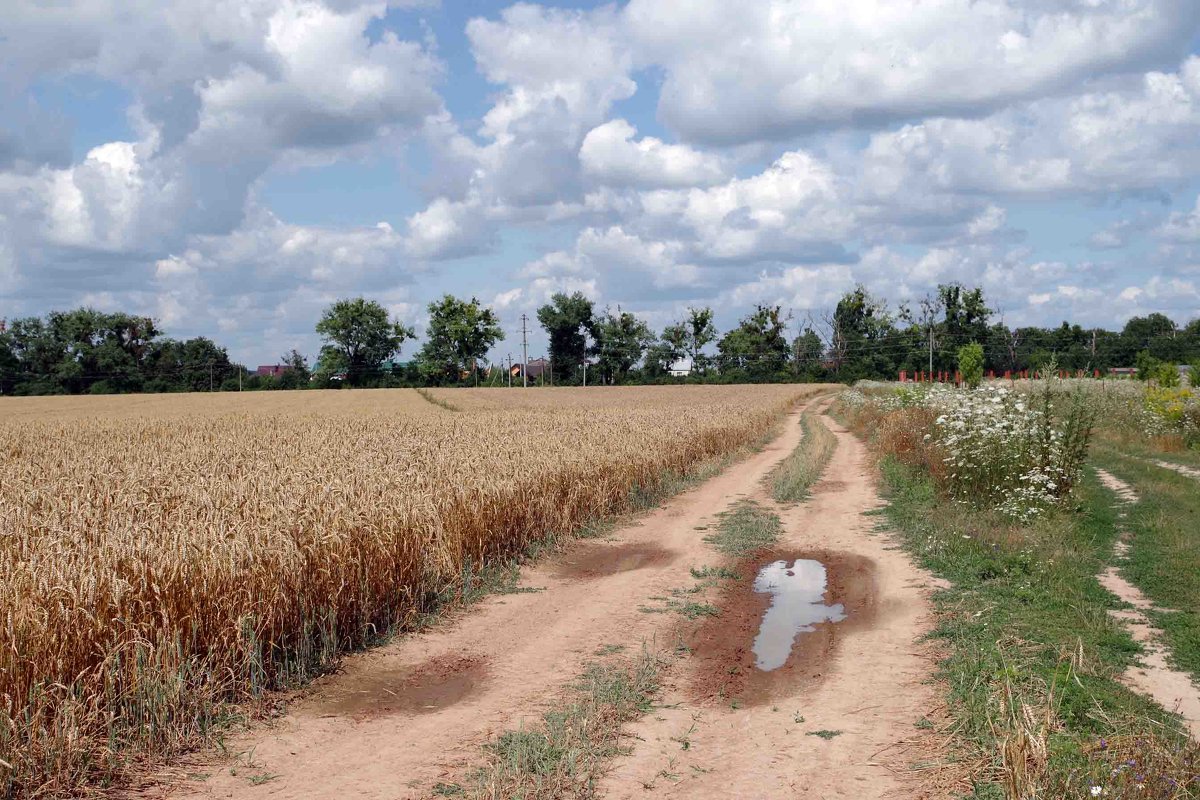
(797, 592)
(432, 686)
(597, 560)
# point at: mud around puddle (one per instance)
(725, 664)
(598, 559)
(434, 685)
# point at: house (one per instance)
(681, 368)
(272, 370)
(536, 368)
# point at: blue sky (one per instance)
(232, 174)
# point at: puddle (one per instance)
(772, 638)
(595, 560)
(438, 683)
(797, 591)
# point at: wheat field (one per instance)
(169, 557)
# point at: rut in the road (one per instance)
(1156, 678)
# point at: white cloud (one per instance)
(612, 156)
(220, 94)
(1182, 227)
(1138, 138)
(747, 71)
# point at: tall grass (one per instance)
(166, 562)
(795, 475)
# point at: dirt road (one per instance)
(401, 718)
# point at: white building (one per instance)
(681, 368)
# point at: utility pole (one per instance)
(585, 373)
(524, 352)
(510, 370)
(931, 348)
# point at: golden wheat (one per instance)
(167, 556)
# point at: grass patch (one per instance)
(791, 480)
(1033, 656)
(714, 573)
(825, 734)
(567, 750)
(437, 401)
(744, 529)
(1164, 559)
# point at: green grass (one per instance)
(745, 528)
(437, 401)
(825, 734)
(791, 480)
(566, 752)
(1164, 560)
(1033, 655)
(714, 573)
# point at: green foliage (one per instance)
(1147, 365)
(460, 334)
(756, 350)
(359, 337)
(568, 320)
(860, 327)
(621, 339)
(970, 364)
(700, 332)
(807, 352)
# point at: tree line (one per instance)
(88, 351)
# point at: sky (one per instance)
(231, 167)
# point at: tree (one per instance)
(859, 332)
(807, 350)
(195, 365)
(621, 339)
(568, 319)
(359, 337)
(662, 354)
(460, 334)
(699, 333)
(756, 349)
(970, 364)
(296, 373)
(965, 320)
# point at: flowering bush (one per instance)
(1172, 411)
(1009, 450)
(1015, 451)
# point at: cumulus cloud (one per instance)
(747, 71)
(1113, 141)
(611, 155)
(219, 98)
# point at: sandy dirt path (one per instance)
(1169, 687)
(863, 682)
(398, 719)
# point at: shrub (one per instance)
(970, 364)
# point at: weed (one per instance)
(824, 734)
(719, 573)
